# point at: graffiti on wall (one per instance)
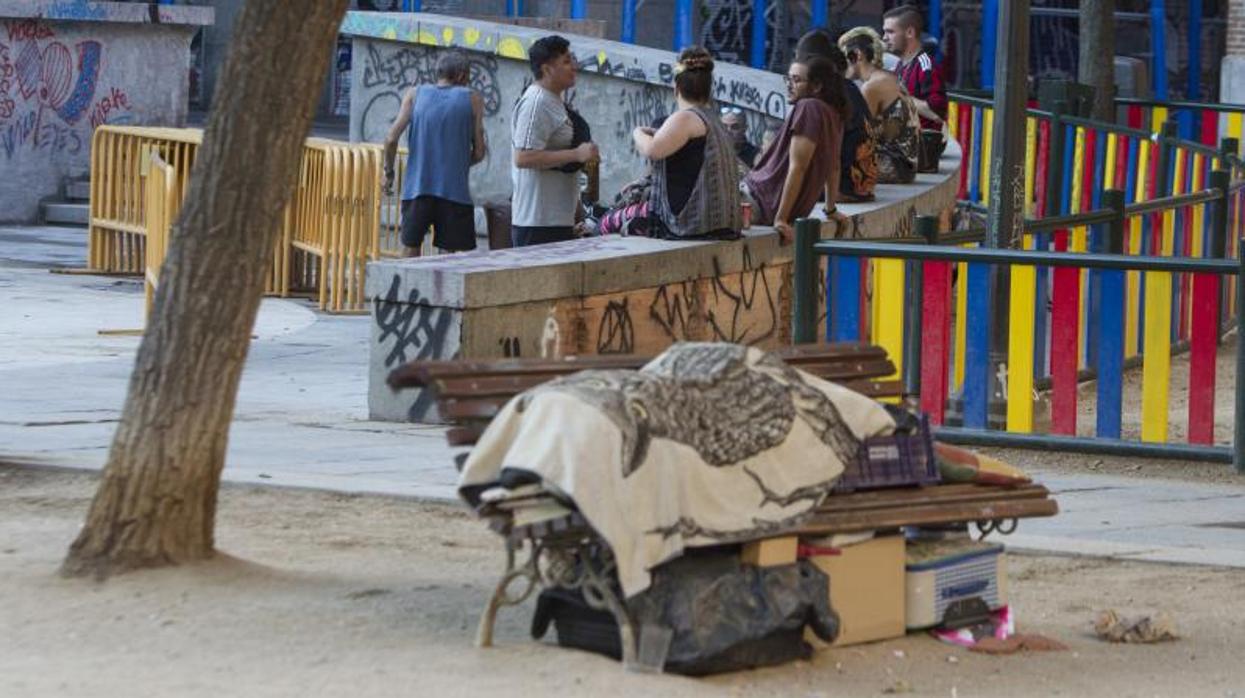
(49, 91)
(727, 31)
(391, 72)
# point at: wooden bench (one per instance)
(470, 393)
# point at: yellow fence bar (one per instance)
(1020, 349)
(161, 207)
(1031, 143)
(987, 137)
(1156, 352)
(888, 300)
(961, 324)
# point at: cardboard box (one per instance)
(867, 589)
(770, 552)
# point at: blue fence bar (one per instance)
(682, 24)
(628, 22)
(1158, 47)
(977, 347)
(820, 12)
(843, 299)
(579, 9)
(758, 33)
(989, 41)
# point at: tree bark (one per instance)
(1096, 66)
(156, 503)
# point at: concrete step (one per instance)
(65, 213)
(78, 190)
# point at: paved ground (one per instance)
(301, 414)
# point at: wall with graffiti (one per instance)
(59, 80)
(628, 85)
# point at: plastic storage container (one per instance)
(899, 460)
(953, 583)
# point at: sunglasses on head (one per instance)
(732, 110)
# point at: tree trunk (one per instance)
(1096, 66)
(156, 504)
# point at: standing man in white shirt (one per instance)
(546, 195)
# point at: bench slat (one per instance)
(419, 374)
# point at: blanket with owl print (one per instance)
(706, 444)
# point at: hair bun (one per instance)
(698, 63)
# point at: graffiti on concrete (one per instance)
(47, 87)
(727, 31)
(416, 329)
(392, 71)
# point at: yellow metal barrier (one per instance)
(162, 202)
(331, 227)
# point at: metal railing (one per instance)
(1106, 301)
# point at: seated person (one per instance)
(803, 161)
(693, 190)
(858, 162)
(893, 119)
(736, 125)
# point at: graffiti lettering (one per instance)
(742, 292)
(28, 30)
(116, 100)
(641, 106)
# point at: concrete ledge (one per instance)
(603, 295)
(120, 12)
(612, 263)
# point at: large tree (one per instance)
(1096, 65)
(156, 503)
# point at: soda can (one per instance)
(745, 210)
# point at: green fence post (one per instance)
(1228, 146)
(1054, 160)
(1114, 200)
(1238, 442)
(804, 282)
(1220, 215)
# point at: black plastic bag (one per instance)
(724, 616)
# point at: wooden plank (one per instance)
(925, 496)
(846, 522)
(485, 384)
(1202, 345)
(1020, 350)
(936, 340)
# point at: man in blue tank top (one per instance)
(444, 124)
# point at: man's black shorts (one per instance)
(455, 223)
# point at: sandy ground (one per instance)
(329, 594)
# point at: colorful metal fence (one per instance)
(931, 276)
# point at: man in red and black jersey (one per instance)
(901, 30)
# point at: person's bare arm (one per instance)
(802, 150)
(478, 149)
(545, 159)
(674, 133)
(395, 134)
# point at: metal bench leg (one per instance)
(499, 598)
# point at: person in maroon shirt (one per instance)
(901, 30)
(803, 161)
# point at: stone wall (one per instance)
(620, 86)
(67, 67)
